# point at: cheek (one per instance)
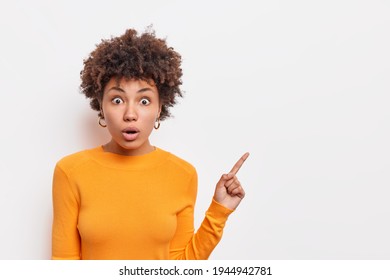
(111, 116)
(113, 119)
(148, 118)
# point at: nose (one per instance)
(130, 114)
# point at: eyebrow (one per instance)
(122, 90)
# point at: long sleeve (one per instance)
(109, 206)
(65, 236)
(198, 246)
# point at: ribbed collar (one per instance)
(146, 161)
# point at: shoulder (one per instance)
(179, 163)
(72, 161)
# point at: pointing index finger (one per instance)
(239, 163)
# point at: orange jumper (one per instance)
(109, 206)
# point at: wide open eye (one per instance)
(117, 100)
(145, 101)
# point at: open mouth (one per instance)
(130, 133)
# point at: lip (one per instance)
(130, 136)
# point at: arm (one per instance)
(187, 245)
(65, 236)
(227, 196)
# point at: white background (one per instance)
(302, 85)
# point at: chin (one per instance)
(133, 146)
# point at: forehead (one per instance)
(129, 85)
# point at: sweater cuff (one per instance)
(218, 211)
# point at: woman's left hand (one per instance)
(228, 190)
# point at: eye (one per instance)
(117, 100)
(145, 101)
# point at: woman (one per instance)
(128, 199)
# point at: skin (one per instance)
(135, 103)
(228, 190)
(130, 103)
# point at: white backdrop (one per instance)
(302, 85)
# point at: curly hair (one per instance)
(129, 56)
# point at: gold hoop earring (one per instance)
(158, 124)
(100, 122)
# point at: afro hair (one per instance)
(133, 56)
